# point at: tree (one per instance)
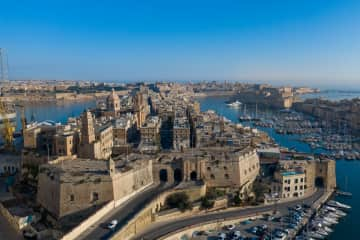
(206, 203)
(179, 200)
(236, 199)
(213, 193)
(259, 190)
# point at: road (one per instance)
(123, 213)
(157, 230)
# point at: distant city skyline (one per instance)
(302, 43)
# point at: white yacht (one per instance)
(333, 203)
(235, 104)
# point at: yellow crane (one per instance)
(8, 129)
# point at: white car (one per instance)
(221, 236)
(112, 224)
(230, 227)
(237, 233)
(298, 207)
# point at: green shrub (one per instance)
(179, 200)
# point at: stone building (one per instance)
(40, 136)
(96, 141)
(124, 130)
(295, 178)
(216, 167)
(277, 97)
(141, 108)
(66, 142)
(290, 184)
(72, 186)
(112, 105)
(227, 167)
(181, 134)
(150, 134)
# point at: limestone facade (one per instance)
(290, 184)
(71, 186)
(150, 131)
(295, 178)
(216, 167)
(181, 134)
(96, 141)
(66, 143)
(112, 105)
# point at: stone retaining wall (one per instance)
(147, 215)
(98, 215)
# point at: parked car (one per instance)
(298, 208)
(112, 224)
(237, 233)
(221, 236)
(230, 227)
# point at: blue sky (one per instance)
(299, 42)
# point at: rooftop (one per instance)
(291, 173)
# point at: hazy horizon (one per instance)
(297, 43)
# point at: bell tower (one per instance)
(87, 128)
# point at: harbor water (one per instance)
(348, 172)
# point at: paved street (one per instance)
(158, 230)
(123, 213)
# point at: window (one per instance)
(95, 196)
(212, 176)
(227, 176)
(225, 168)
(209, 168)
(296, 188)
(72, 197)
(302, 180)
(296, 180)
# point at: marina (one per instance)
(335, 142)
(347, 171)
(321, 223)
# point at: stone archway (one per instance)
(193, 176)
(178, 175)
(319, 182)
(163, 175)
